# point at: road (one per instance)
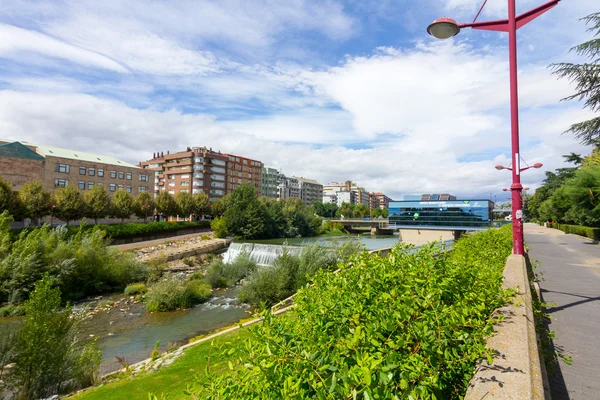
(569, 268)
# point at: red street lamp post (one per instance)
(444, 28)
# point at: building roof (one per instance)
(314, 182)
(82, 156)
(19, 150)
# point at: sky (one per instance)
(332, 90)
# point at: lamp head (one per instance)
(443, 28)
(526, 188)
(499, 167)
(538, 165)
(505, 189)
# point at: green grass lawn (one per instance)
(171, 380)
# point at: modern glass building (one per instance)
(442, 213)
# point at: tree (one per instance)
(219, 206)
(586, 76)
(166, 205)
(122, 205)
(380, 212)
(361, 211)
(201, 203)
(7, 196)
(185, 204)
(143, 205)
(325, 210)
(246, 215)
(68, 204)
(49, 357)
(97, 203)
(35, 200)
(345, 211)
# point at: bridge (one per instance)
(383, 224)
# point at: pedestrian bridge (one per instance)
(383, 224)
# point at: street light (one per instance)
(536, 165)
(444, 28)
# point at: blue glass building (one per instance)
(441, 213)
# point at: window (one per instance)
(143, 177)
(128, 176)
(184, 191)
(100, 172)
(216, 191)
(92, 171)
(198, 183)
(128, 189)
(81, 170)
(60, 182)
(90, 185)
(112, 187)
(198, 175)
(194, 191)
(100, 184)
(113, 174)
(218, 184)
(218, 162)
(81, 184)
(172, 184)
(63, 168)
(170, 176)
(217, 177)
(143, 189)
(199, 159)
(121, 175)
(171, 192)
(120, 187)
(185, 183)
(218, 170)
(186, 176)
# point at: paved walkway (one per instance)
(148, 243)
(570, 278)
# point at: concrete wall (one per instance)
(423, 236)
(516, 371)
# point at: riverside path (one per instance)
(569, 269)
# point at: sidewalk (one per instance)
(148, 243)
(569, 269)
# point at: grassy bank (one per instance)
(172, 380)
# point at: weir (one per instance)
(262, 254)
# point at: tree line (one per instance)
(347, 210)
(70, 204)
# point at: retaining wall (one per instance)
(516, 371)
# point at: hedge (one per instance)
(118, 231)
(592, 233)
(408, 326)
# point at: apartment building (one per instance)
(342, 196)
(360, 195)
(310, 190)
(194, 170)
(242, 170)
(270, 177)
(379, 200)
(287, 188)
(62, 167)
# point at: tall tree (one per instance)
(122, 205)
(586, 76)
(246, 215)
(201, 203)
(361, 211)
(7, 196)
(97, 203)
(143, 205)
(185, 204)
(35, 200)
(219, 206)
(68, 204)
(166, 205)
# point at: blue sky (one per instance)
(331, 90)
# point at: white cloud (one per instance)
(16, 41)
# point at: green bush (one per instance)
(172, 294)
(49, 356)
(289, 273)
(592, 233)
(410, 325)
(136, 288)
(219, 227)
(220, 274)
(83, 264)
(12, 310)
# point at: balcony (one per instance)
(178, 170)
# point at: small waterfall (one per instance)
(262, 254)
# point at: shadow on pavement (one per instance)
(548, 350)
(551, 310)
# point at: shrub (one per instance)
(12, 310)
(49, 357)
(592, 233)
(136, 288)
(171, 294)
(220, 274)
(219, 227)
(83, 263)
(156, 267)
(411, 325)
